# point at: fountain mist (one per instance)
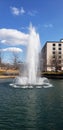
(32, 56)
(30, 76)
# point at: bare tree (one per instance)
(55, 61)
(16, 60)
(0, 57)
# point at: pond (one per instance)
(31, 108)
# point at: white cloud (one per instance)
(12, 49)
(17, 11)
(48, 25)
(13, 37)
(32, 13)
(22, 11)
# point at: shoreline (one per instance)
(47, 75)
(53, 75)
(6, 77)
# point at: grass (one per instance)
(8, 73)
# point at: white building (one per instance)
(52, 56)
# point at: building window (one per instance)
(53, 52)
(53, 48)
(59, 48)
(54, 44)
(59, 52)
(59, 61)
(59, 56)
(53, 56)
(59, 44)
(53, 61)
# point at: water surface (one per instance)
(31, 109)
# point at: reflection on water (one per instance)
(31, 109)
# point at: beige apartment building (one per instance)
(52, 56)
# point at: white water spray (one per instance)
(31, 78)
(32, 56)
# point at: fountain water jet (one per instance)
(32, 56)
(31, 79)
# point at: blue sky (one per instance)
(16, 15)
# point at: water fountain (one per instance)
(32, 79)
